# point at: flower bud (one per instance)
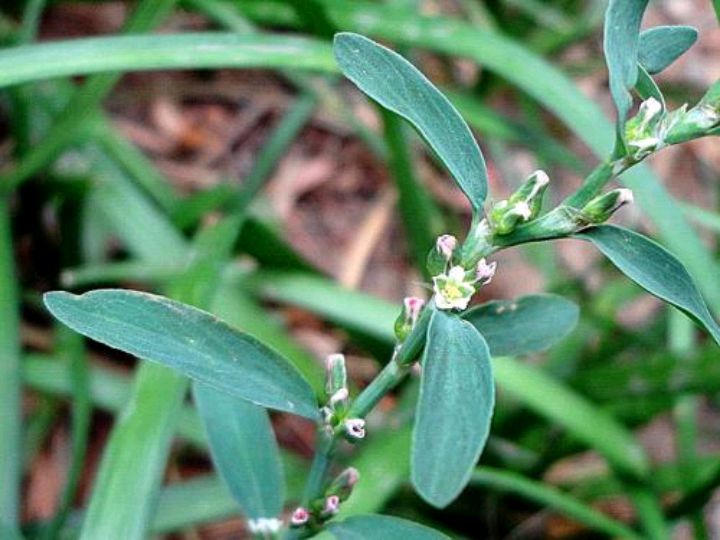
(412, 306)
(644, 132)
(441, 254)
(264, 526)
(599, 209)
(531, 193)
(332, 505)
(299, 517)
(484, 272)
(339, 398)
(354, 428)
(694, 123)
(344, 483)
(336, 374)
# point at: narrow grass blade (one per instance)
(139, 53)
(10, 385)
(548, 496)
(553, 400)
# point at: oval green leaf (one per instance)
(654, 268)
(244, 451)
(454, 409)
(529, 324)
(397, 85)
(661, 46)
(372, 527)
(189, 340)
(621, 43)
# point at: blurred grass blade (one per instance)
(529, 324)
(371, 527)
(548, 496)
(182, 51)
(454, 409)
(147, 15)
(184, 338)
(244, 451)
(10, 384)
(72, 351)
(553, 400)
(397, 85)
(654, 268)
(662, 45)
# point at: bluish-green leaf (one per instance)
(454, 408)
(244, 451)
(622, 36)
(373, 527)
(661, 46)
(189, 340)
(529, 324)
(397, 85)
(654, 268)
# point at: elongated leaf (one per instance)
(134, 53)
(653, 268)
(526, 325)
(622, 36)
(397, 85)
(454, 408)
(372, 527)
(244, 451)
(661, 46)
(188, 340)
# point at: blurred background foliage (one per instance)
(285, 202)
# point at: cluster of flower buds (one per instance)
(338, 400)
(408, 318)
(328, 505)
(599, 209)
(443, 255)
(454, 289)
(644, 133)
(697, 121)
(264, 526)
(522, 206)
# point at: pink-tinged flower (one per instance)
(453, 290)
(446, 245)
(355, 428)
(299, 517)
(484, 272)
(413, 306)
(332, 505)
(340, 396)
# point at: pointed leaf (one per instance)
(397, 85)
(661, 46)
(189, 340)
(653, 268)
(529, 324)
(454, 408)
(244, 451)
(622, 36)
(372, 527)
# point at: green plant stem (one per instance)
(649, 512)
(10, 384)
(84, 102)
(592, 185)
(385, 381)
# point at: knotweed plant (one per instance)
(238, 378)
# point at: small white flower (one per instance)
(452, 290)
(355, 428)
(522, 209)
(264, 525)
